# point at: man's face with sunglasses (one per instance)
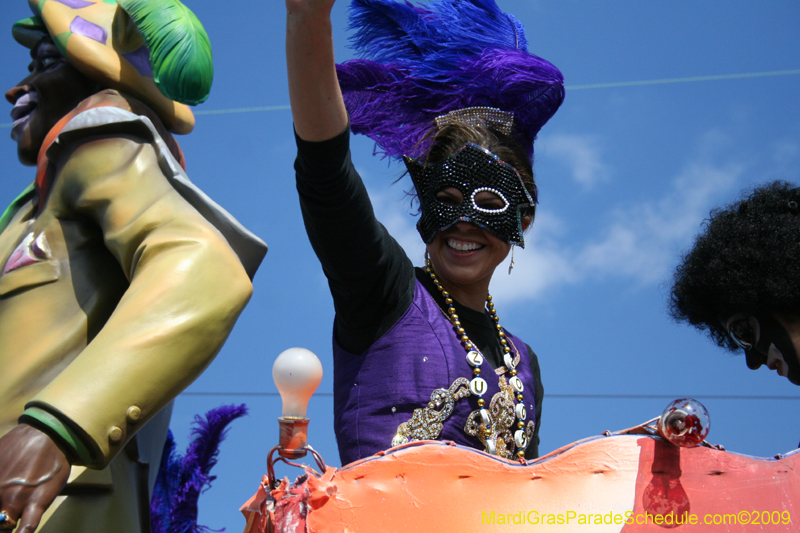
(768, 340)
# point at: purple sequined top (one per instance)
(378, 390)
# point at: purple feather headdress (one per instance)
(422, 62)
(181, 478)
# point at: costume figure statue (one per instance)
(741, 280)
(119, 280)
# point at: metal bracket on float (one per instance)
(284, 455)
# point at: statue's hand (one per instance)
(33, 470)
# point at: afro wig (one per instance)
(746, 261)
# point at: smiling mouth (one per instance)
(22, 112)
(461, 246)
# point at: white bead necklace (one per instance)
(477, 385)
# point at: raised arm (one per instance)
(369, 274)
(317, 105)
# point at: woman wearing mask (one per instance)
(420, 353)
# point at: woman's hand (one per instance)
(317, 104)
(309, 6)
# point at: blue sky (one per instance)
(627, 172)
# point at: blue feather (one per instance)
(181, 479)
(419, 62)
(432, 39)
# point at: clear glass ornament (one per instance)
(685, 423)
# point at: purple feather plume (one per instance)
(181, 479)
(420, 63)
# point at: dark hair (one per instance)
(449, 139)
(746, 261)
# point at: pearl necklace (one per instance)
(478, 386)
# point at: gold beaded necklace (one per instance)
(477, 385)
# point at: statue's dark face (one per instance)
(51, 90)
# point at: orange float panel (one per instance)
(627, 483)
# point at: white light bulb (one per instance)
(297, 373)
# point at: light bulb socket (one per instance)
(293, 440)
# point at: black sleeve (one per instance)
(370, 277)
(533, 448)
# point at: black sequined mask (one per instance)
(473, 169)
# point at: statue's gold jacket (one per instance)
(115, 294)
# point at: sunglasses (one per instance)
(744, 330)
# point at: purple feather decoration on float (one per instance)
(181, 479)
(420, 63)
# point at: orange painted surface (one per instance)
(594, 485)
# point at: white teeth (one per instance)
(22, 111)
(463, 246)
(18, 126)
